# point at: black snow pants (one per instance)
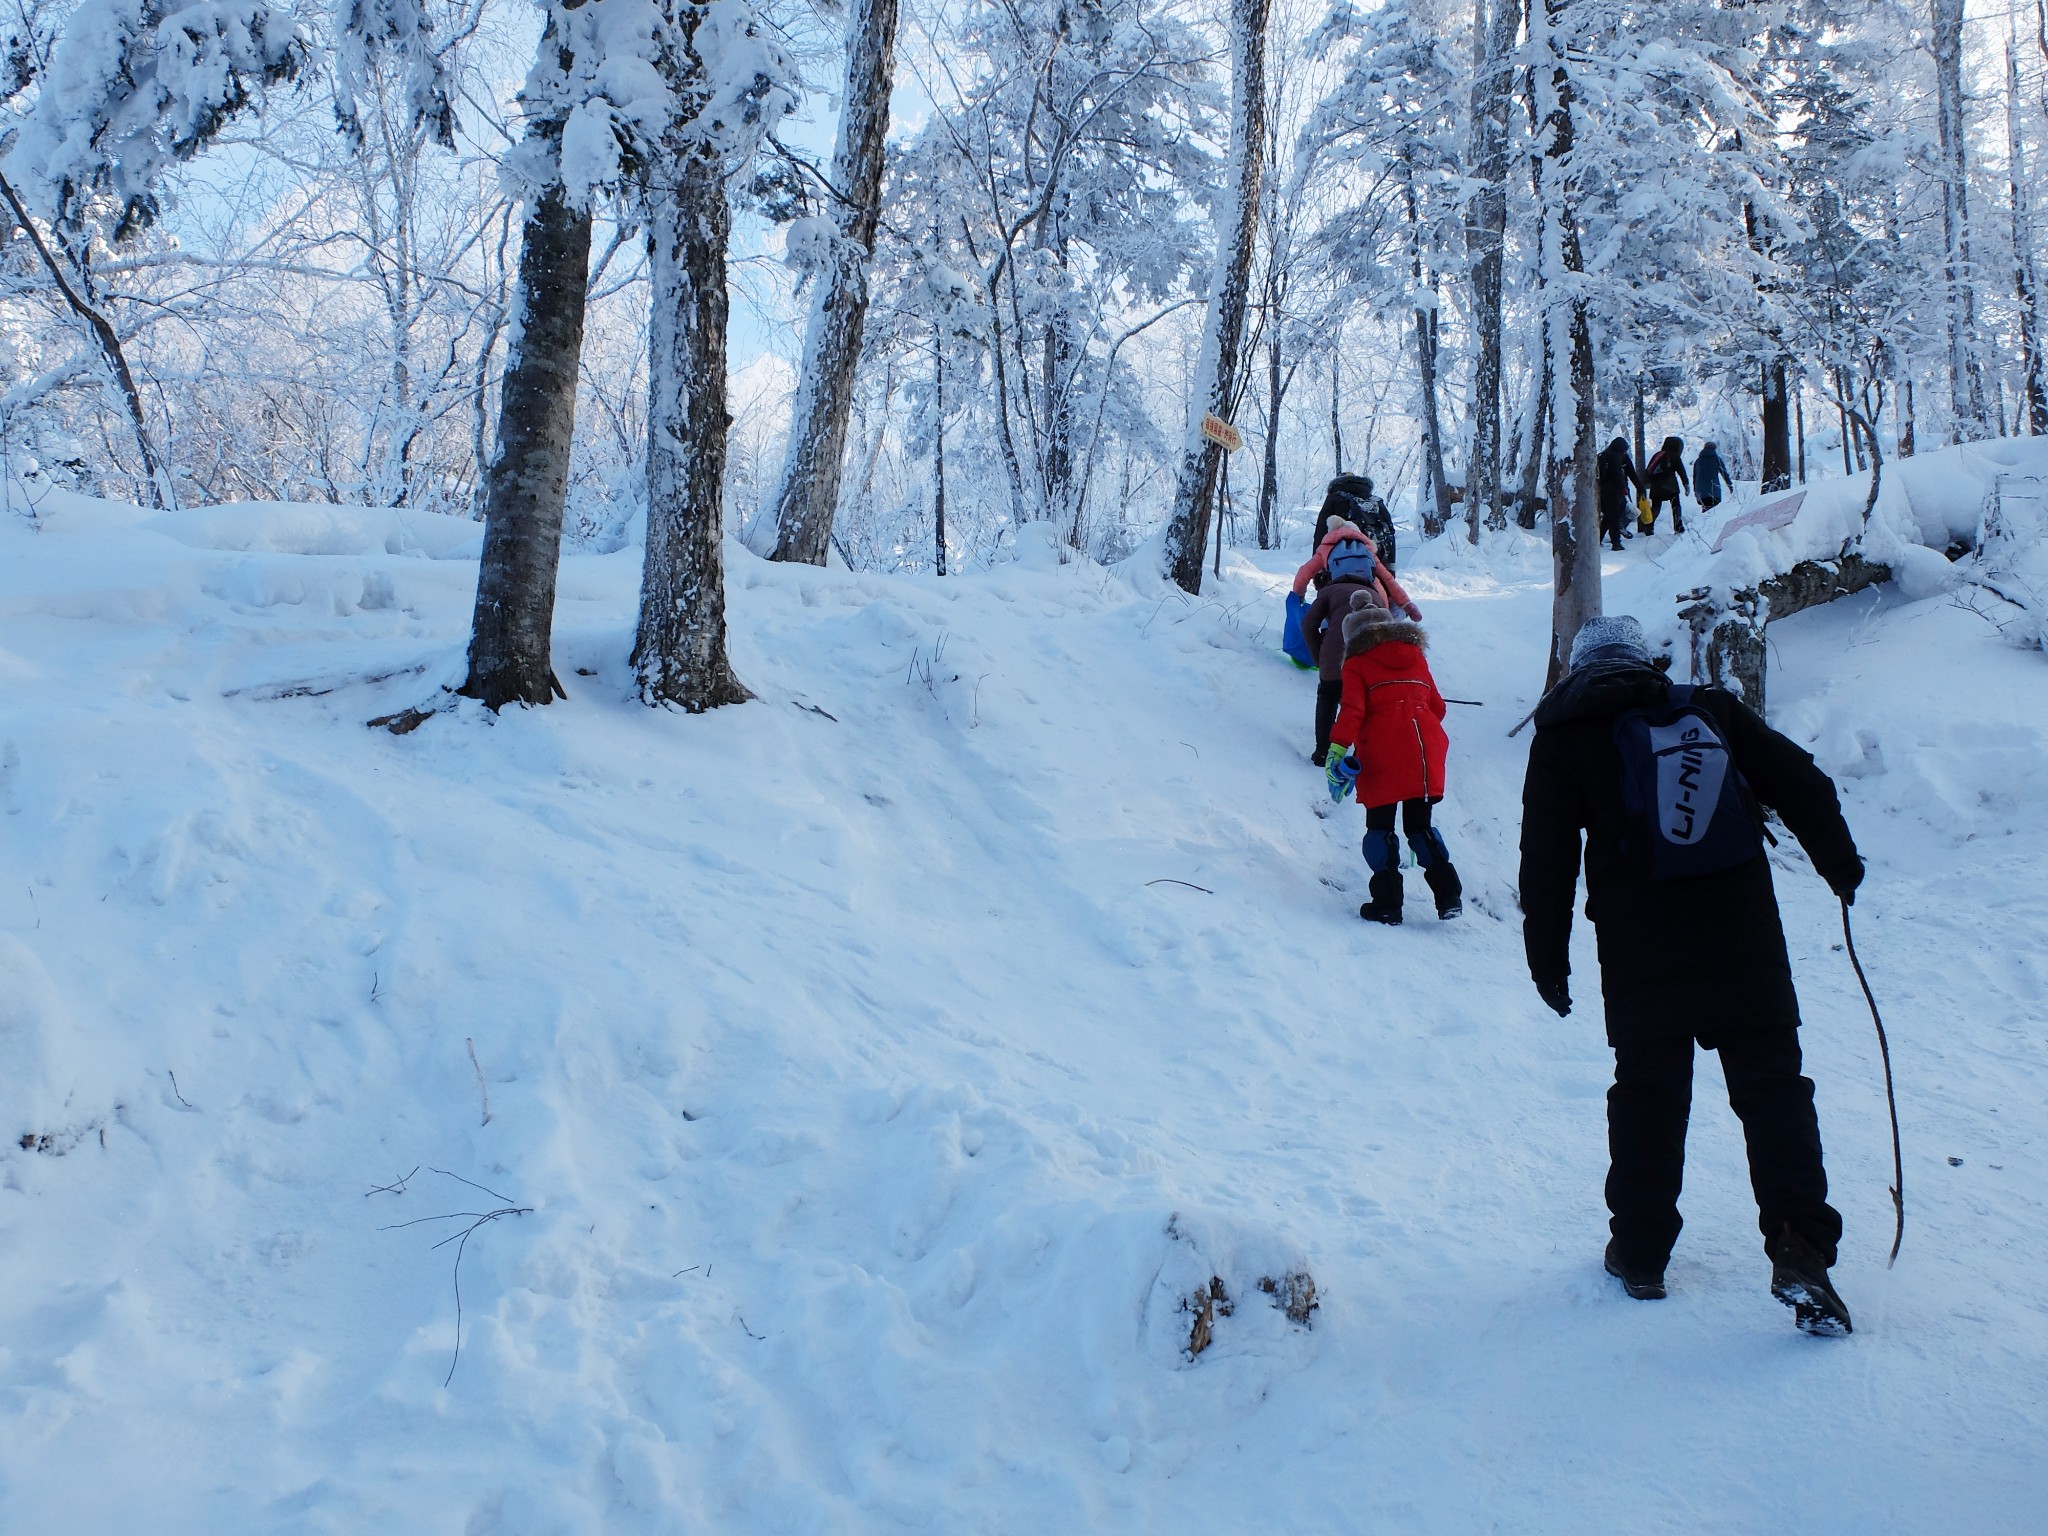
(1659, 494)
(1647, 1110)
(1329, 697)
(1615, 512)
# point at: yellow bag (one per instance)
(1646, 520)
(1642, 506)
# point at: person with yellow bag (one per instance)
(1614, 472)
(1666, 473)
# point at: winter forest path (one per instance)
(854, 1064)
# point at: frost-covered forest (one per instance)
(980, 1081)
(893, 281)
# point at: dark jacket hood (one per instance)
(1367, 627)
(1601, 689)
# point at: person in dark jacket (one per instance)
(1614, 473)
(1350, 498)
(1322, 631)
(1710, 478)
(1687, 961)
(1666, 473)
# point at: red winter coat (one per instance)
(1392, 715)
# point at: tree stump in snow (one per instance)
(1728, 631)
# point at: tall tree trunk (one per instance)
(1966, 378)
(1336, 404)
(679, 650)
(1777, 465)
(1539, 433)
(1485, 244)
(1574, 522)
(1236, 235)
(1642, 426)
(2024, 280)
(809, 494)
(510, 635)
(1269, 473)
(1799, 413)
(1905, 418)
(939, 448)
(1436, 513)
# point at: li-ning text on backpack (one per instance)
(1686, 804)
(1349, 560)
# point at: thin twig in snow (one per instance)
(174, 1089)
(480, 1088)
(395, 1187)
(1169, 880)
(472, 1183)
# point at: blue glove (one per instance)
(1341, 773)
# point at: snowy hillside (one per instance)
(861, 1081)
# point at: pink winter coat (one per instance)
(1391, 593)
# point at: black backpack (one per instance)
(1686, 807)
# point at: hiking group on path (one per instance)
(1662, 789)
(1656, 483)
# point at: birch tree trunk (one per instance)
(1216, 367)
(2024, 281)
(679, 651)
(1485, 244)
(1269, 472)
(809, 494)
(1966, 379)
(1574, 515)
(511, 632)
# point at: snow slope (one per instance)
(868, 1104)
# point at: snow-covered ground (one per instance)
(866, 1094)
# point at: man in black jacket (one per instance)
(1613, 473)
(1699, 959)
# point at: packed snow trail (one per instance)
(879, 1094)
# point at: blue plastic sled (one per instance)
(1290, 633)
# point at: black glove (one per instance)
(1844, 882)
(1558, 994)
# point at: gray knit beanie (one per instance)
(1610, 639)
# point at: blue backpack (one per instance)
(1687, 808)
(1349, 560)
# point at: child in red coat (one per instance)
(1389, 745)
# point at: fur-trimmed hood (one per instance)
(1369, 625)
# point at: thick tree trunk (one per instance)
(2025, 284)
(1574, 523)
(510, 635)
(1777, 466)
(1485, 243)
(1966, 378)
(679, 651)
(1216, 367)
(809, 494)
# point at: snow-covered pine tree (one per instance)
(808, 496)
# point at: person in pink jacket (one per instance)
(1390, 591)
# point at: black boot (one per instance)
(1385, 906)
(1445, 886)
(1799, 1278)
(1642, 1284)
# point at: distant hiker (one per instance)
(1351, 498)
(1666, 473)
(1666, 784)
(1614, 473)
(1710, 478)
(1322, 631)
(1389, 746)
(1318, 569)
